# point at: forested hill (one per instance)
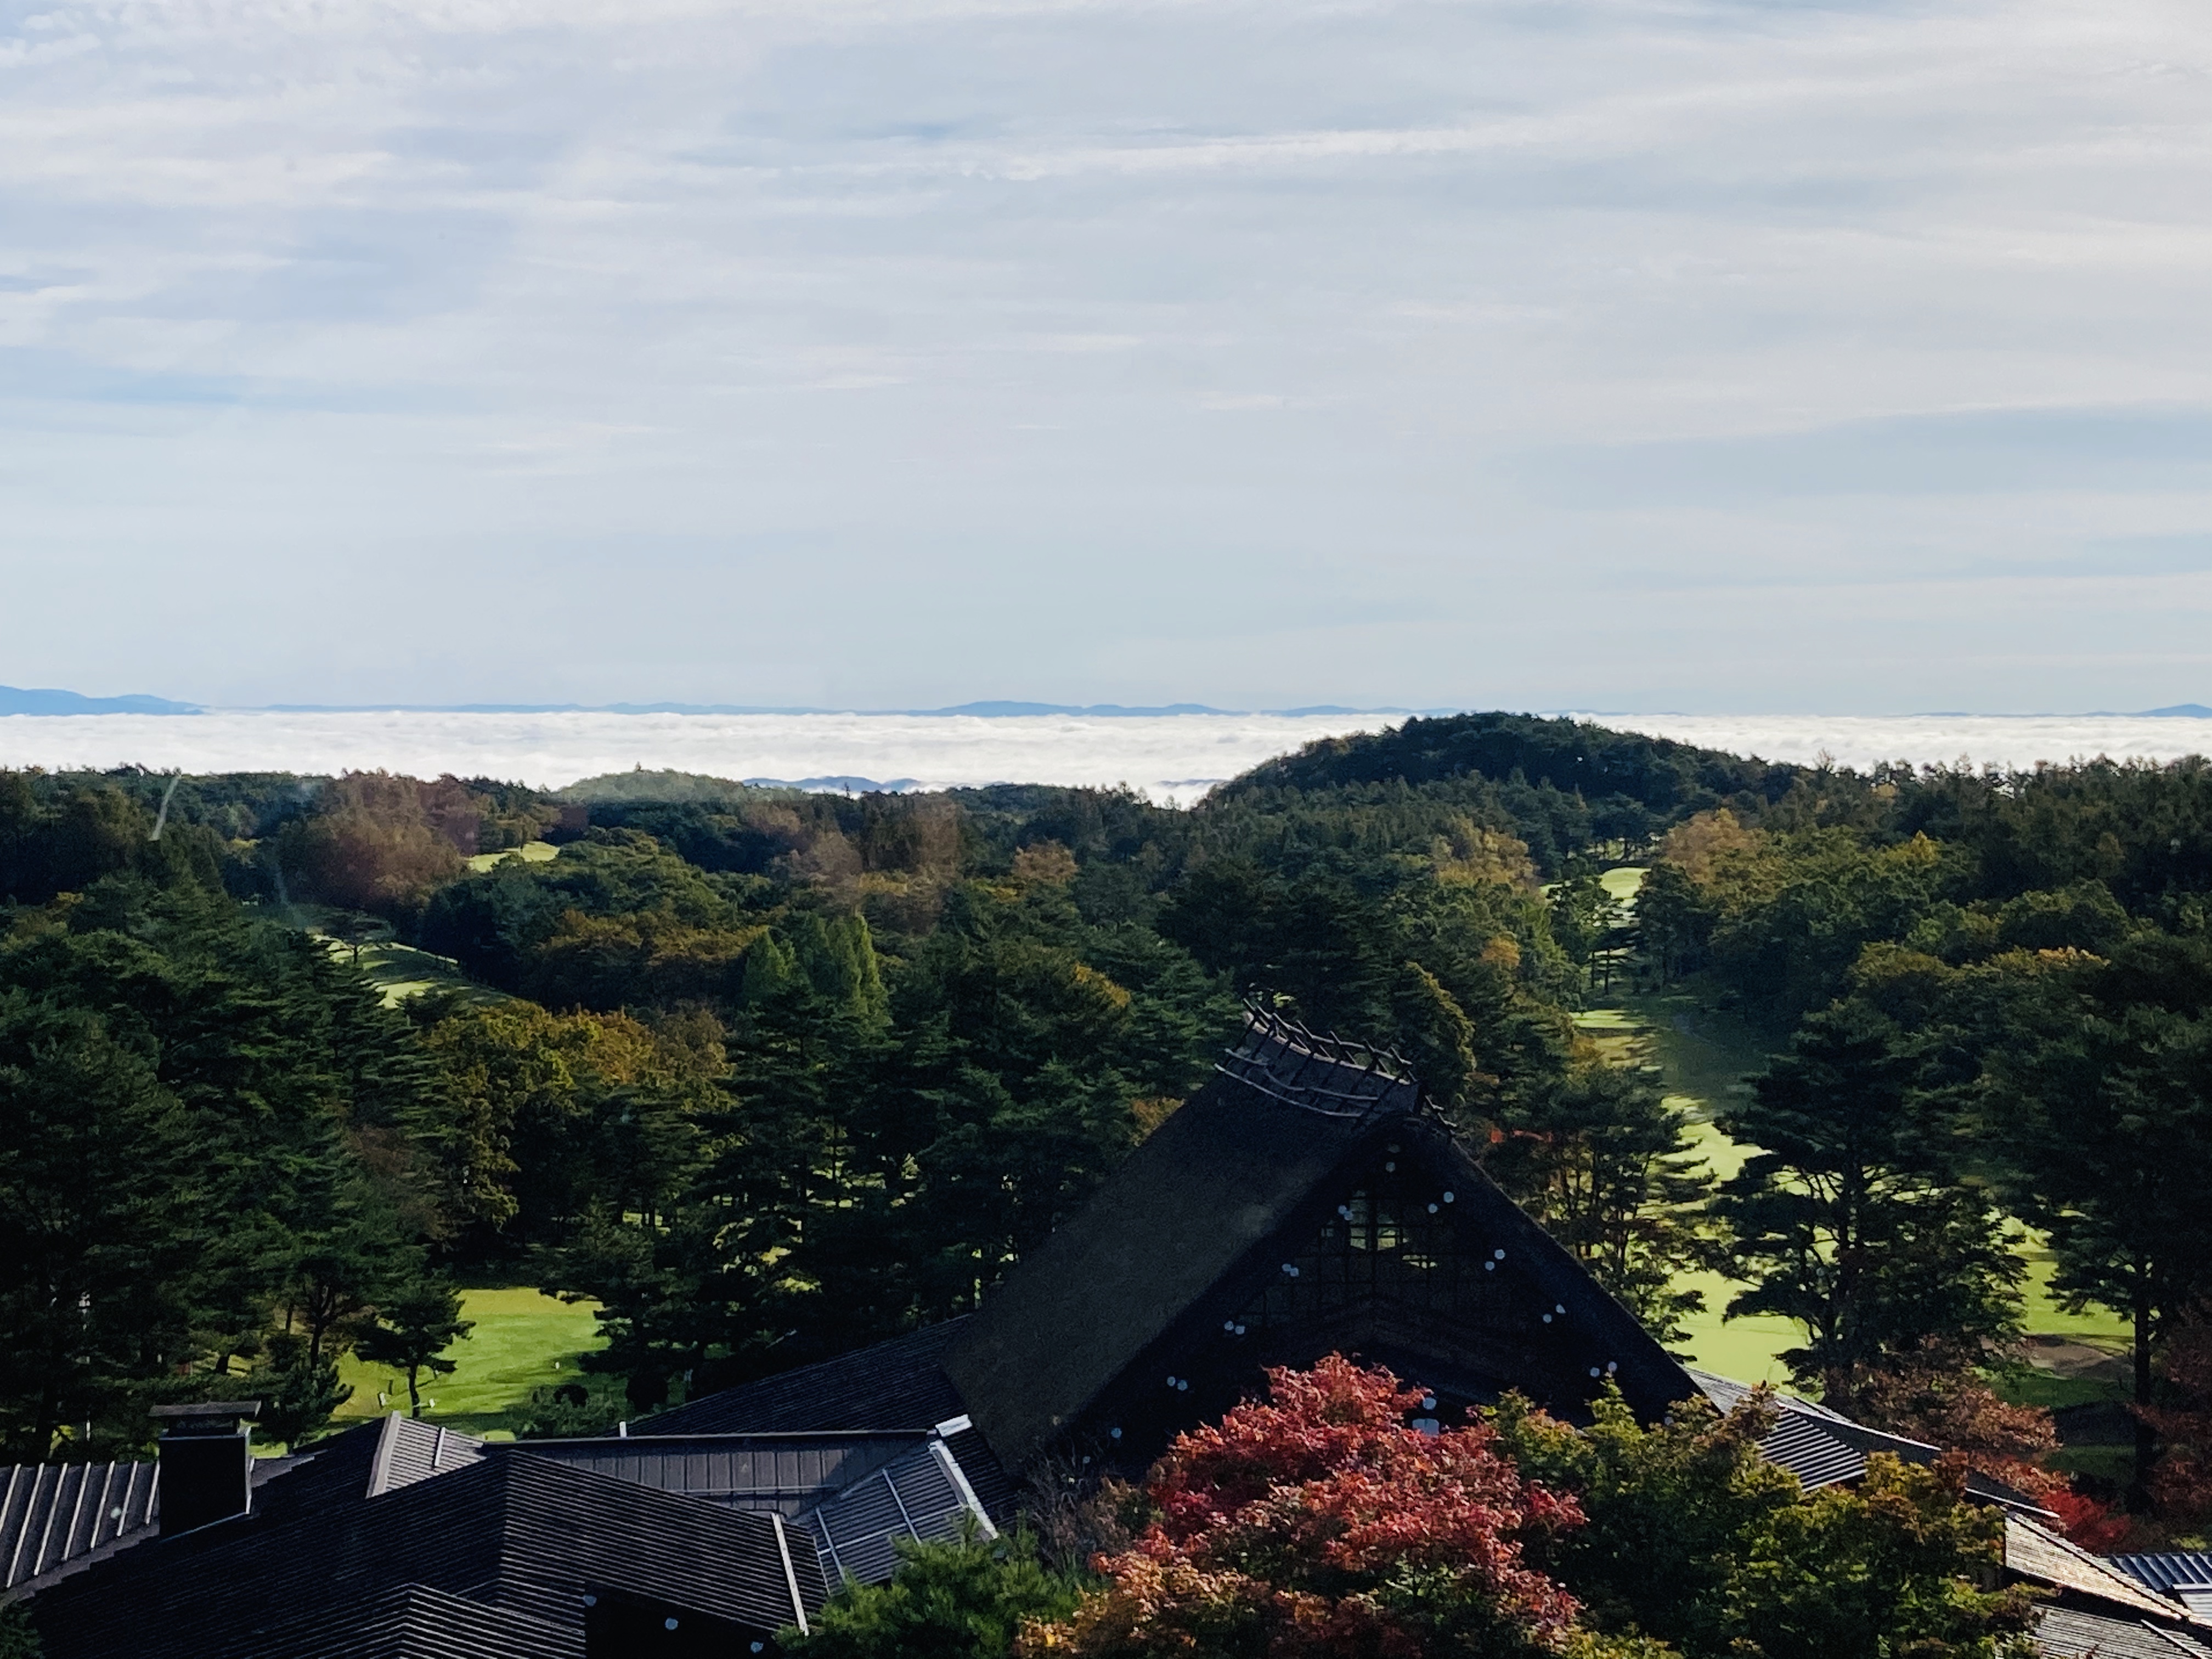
(1558, 784)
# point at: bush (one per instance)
(968, 1600)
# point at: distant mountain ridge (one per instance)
(14, 699)
(988, 709)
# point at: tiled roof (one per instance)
(2034, 1552)
(513, 1534)
(923, 1495)
(407, 1450)
(892, 1385)
(413, 1621)
(1820, 1447)
(57, 1516)
(2068, 1633)
(787, 1473)
(854, 1496)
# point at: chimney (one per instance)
(206, 1462)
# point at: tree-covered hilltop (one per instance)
(1562, 784)
(771, 1074)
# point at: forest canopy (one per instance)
(769, 1074)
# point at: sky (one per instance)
(1718, 357)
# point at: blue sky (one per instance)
(1711, 356)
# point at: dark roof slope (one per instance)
(1251, 1155)
(893, 1385)
(413, 1621)
(787, 1473)
(57, 1516)
(520, 1532)
(854, 1495)
(1216, 1179)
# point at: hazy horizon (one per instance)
(1170, 758)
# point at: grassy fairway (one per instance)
(402, 971)
(398, 971)
(532, 852)
(1703, 1057)
(523, 1340)
(1703, 1060)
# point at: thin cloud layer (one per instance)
(1689, 354)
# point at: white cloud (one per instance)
(325, 287)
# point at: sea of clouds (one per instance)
(1172, 758)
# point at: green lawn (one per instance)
(399, 970)
(523, 1340)
(1703, 1056)
(532, 852)
(402, 971)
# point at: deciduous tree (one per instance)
(1320, 1524)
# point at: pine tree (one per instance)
(1844, 1221)
(412, 1331)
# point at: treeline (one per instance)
(220, 1156)
(1993, 997)
(768, 1074)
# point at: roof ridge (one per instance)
(1283, 1059)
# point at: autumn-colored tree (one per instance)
(1320, 1524)
(532, 1113)
(1044, 863)
(1696, 846)
(1939, 1396)
(379, 843)
(2181, 1487)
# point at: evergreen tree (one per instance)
(1609, 1168)
(2105, 1127)
(98, 1217)
(1843, 1219)
(412, 1331)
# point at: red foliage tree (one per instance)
(1320, 1524)
(2181, 1480)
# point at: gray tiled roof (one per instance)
(1820, 1447)
(788, 1473)
(514, 1535)
(2040, 1555)
(407, 1450)
(853, 1495)
(2068, 1633)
